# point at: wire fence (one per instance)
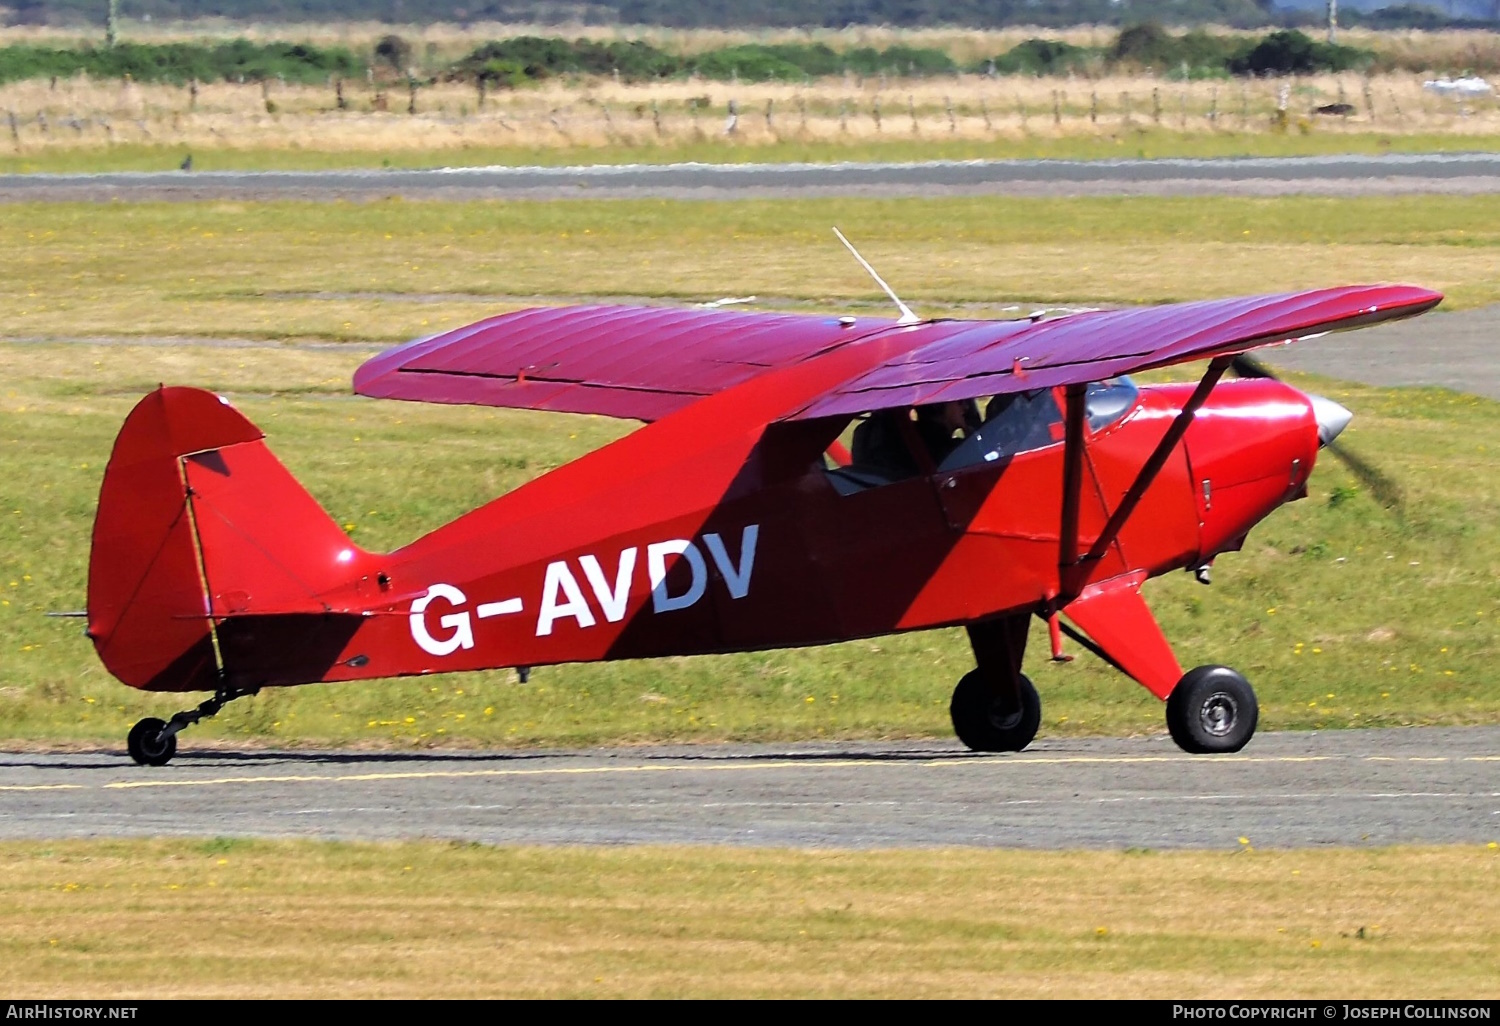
(368, 114)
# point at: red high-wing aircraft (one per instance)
(720, 526)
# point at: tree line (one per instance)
(516, 62)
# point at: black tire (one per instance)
(1212, 710)
(979, 724)
(147, 745)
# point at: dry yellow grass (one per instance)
(86, 115)
(295, 919)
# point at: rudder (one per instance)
(198, 524)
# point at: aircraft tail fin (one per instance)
(210, 564)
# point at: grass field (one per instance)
(1341, 613)
(225, 918)
(84, 125)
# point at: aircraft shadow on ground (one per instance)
(210, 757)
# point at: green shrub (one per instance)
(541, 58)
(750, 63)
(1290, 52)
(1041, 57)
(179, 62)
(1149, 45)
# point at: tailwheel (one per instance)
(153, 742)
(1212, 710)
(982, 720)
(150, 744)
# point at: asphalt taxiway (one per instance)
(1285, 790)
(1351, 174)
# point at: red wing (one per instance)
(991, 358)
(639, 363)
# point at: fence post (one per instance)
(770, 124)
(1213, 107)
(1093, 106)
(1369, 100)
(192, 94)
(1056, 108)
(480, 87)
(411, 94)
(1156, 104)
(952, 121)
(15, 129)
(911, 109)
(656, 117)
(732, 122)
(875, 112)
(985, 111)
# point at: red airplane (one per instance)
(1001, 469)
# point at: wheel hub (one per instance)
(1218, 713)
(1004, 720)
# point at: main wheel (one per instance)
(1212, 709)
(148, 746)
(979, 722)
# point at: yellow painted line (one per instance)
(683, 767)
(462, 774)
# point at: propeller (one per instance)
(1385, 490)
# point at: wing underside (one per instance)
(644, 363)
(640, 363)
(1003, 357)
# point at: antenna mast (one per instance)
(907, 317)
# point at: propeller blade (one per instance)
(1246, 366)
(1385, 490)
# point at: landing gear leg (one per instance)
(995, 708)
(1209, 709)
(153, 742)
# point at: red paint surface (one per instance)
(199, 523)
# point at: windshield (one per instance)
(1015, 422)
(1022, 421)
(1108, 401)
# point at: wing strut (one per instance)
(1148, 471)
(1067, 556)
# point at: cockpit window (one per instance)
(1015, 422)
(1012, 423)
(1108, 401)
(1022, 421)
